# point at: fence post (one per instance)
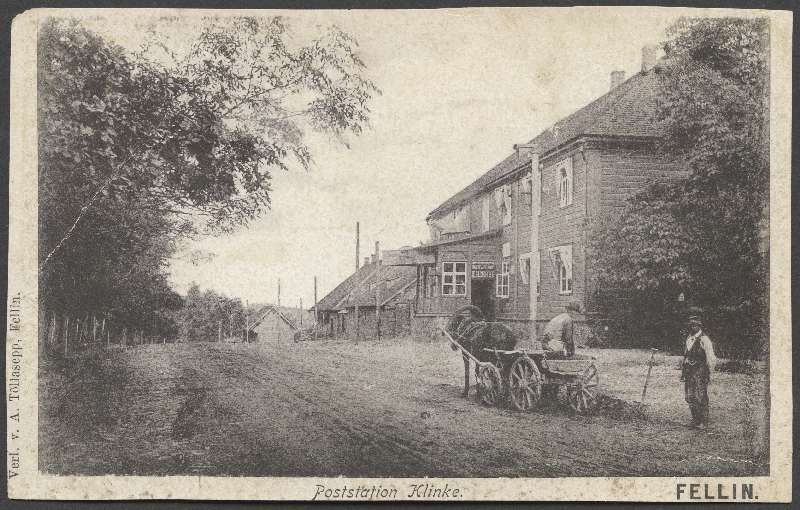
(66, 334)
(51, 336)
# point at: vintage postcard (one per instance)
(391, 255)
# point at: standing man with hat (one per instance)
(698, 363)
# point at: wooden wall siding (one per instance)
(517, 234)
(562, 226)
(605, 175)
(626, 169)
(484, 250)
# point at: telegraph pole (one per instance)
(378, 289)
(316, 318)
(279, 293)
(247, 321)
(301, 313)
(358, 240)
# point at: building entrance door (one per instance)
(483, 297)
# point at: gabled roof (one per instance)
(391, 282)
(265, 311)
(625, 111)
(332, 299)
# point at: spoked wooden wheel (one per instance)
(524, 384)
(490, 384)
(582, 397)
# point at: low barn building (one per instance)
(331, 315)
(272, 325)
(389, 289)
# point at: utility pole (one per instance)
(247, 321)
(533, 278)
(316, 318)
(279, 293)
(378, 289)
(358, 240)
(301, 313)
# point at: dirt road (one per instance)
(337, 408)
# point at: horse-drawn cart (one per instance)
(522, 377)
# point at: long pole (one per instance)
(533, 278)
(316, 318)
(301, 313)
(66, 334)
(378, 289)
(358, 241)
(649, 369)
(279, 293)
(247, 321)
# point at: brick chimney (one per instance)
(617, 77)
(649, 54)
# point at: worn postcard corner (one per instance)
(430, 255)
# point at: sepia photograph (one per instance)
(445, 254)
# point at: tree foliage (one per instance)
(206, 315)
(700, 236)
(138, 151)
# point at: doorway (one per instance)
(483, 297)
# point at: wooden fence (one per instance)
(66, 335)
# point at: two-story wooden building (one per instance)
(514, 242)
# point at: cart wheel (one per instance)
(524, 384)
(581, 396)
(490, 384)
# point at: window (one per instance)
(486, 212)
(454, 279)
(502, 198)
(565, 184)
(502, 279)
(502, 283)
(525, 268)
(530, 272)
(561, 257)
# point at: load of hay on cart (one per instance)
(521, 378)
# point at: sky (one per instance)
(459, 89)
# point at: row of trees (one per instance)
(206, 315)
(699, 238)
(140, 151)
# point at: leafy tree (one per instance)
(136, 152)
(700, 236)
(199, 135)
(206, 314)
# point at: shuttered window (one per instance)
(565, 182)
(561, 258)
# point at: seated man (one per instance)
(559, 332)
